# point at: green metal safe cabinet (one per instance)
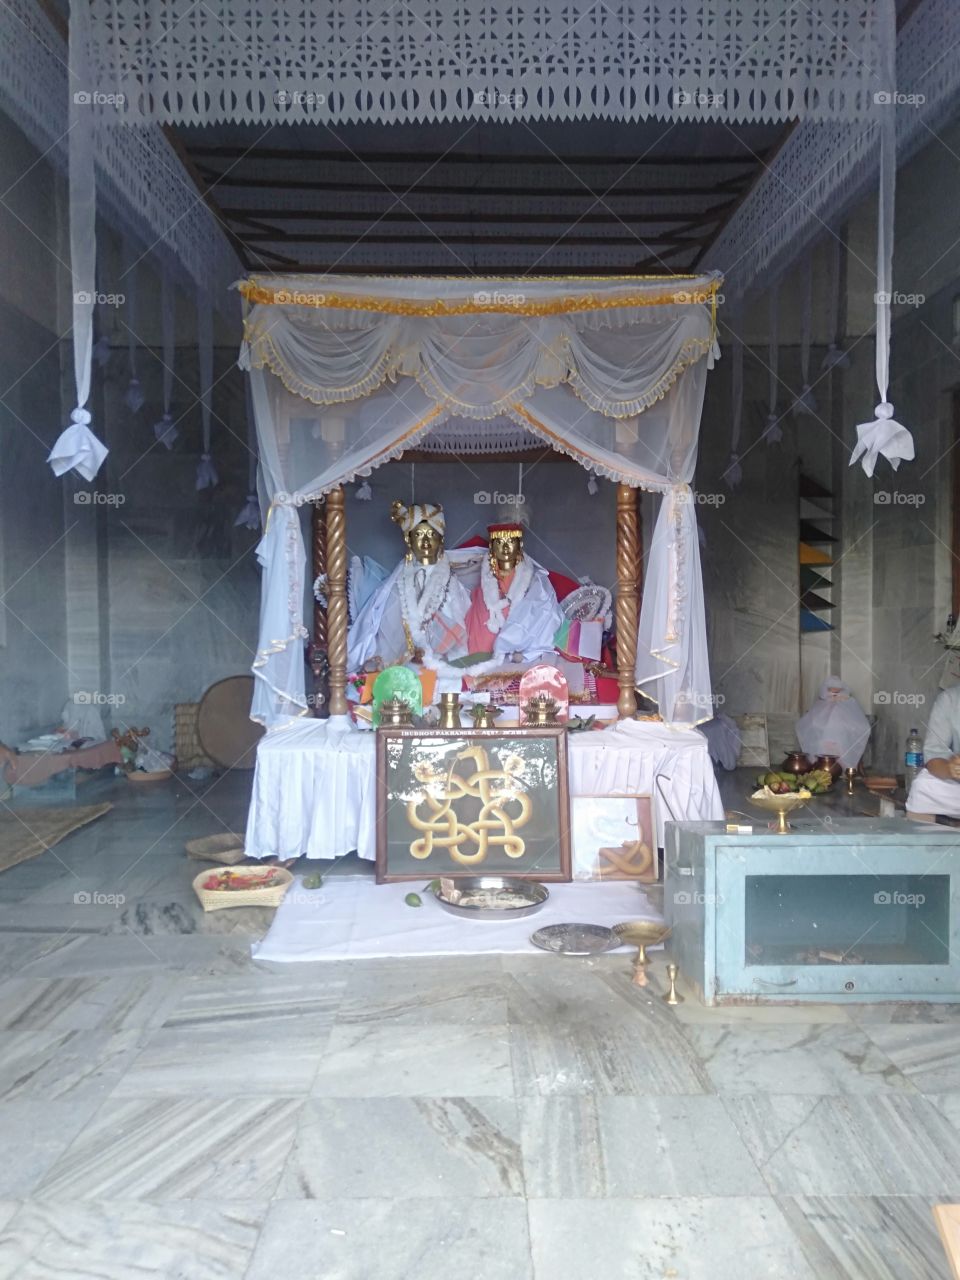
(853, 909)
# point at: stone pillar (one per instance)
(337, 601)
(628, 572)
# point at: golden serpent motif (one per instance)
(504, 808)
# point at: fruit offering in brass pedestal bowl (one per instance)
(780, 803)
(816, 781)
(641, 934)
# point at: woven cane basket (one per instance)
(218, 899)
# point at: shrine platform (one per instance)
(314, 789)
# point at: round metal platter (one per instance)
(576, 939)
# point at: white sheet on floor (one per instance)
(352, 918)
(314, 791)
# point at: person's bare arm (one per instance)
(947, 770)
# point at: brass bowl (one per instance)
(641, 934)
(780, 805)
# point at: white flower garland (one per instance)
(417, 614)
(498, 604)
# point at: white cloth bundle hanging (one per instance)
(207, 477)
(133, 396)
(834, 725)
(77, 448)
(773, 432)
(884, 435)
(806, 403)
(165, 430)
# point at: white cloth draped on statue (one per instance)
(532, 621)
(348, 373)
(378, 630)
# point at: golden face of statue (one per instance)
(506, 553)
(425, 543)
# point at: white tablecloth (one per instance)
(314, 787)
(349, 917)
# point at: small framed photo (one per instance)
(613, 838)
(469, 802)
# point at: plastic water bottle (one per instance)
(913, 757)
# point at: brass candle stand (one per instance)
(450, 711)
(541, 710)
(395, 713)
(641, 934)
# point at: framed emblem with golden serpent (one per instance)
(471, 802)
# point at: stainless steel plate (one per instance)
(490, 897)
(576, 939)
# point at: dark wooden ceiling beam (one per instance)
(452, 157)
(567, 241)
(731, 187)
(687, 220)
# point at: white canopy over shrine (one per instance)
(349, 373)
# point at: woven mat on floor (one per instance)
(27, 832)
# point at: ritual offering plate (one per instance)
(490, 897)
(576, 939)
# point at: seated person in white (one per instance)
(418, 614)
(514, 614)
(834, 725)
(936, 789)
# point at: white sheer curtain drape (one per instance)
(347, 375)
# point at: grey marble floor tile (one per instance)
(407, 1148)
(393, 1240)
(687, 1238)
(127, 953)
(66, 1064)
(89, 1003)
(432, 1060)
(815, 1058)
(610, 1147)
(276, 1057)
(869, 1145)
(30, 952)
(7, 1210)
(928, 1054)
(285, 999)
(876, 1237)
(116, 1241)
(177, 1149)
(904, 1011)
(637, 1054)
(34, 1132)
(410, 995)
(570, 989)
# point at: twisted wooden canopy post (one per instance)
(319, 557)
(337, 601)
(628, 606)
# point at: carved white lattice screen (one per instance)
(273, 61)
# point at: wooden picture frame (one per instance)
(601, 829)
(416, 807)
